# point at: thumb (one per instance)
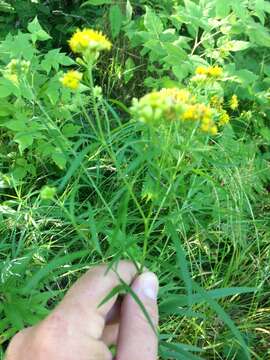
(137, 339)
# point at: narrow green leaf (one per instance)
(116, 19)
(181, 258)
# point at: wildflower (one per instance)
(216, 102)
(89, 40)
(205, 111)
(72, 79)
(214, 71)
(203, 74)
(16, 69)
(213, 130)
(234, 103)
(224, 118)
(151, 107)
(177, 95)
(210, 128)
(201, 70)
(190, 113)
(12, 77)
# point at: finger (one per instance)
(137, 339)
(79, 310)
(113, 316)
(110, 334)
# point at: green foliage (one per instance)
(84, 178)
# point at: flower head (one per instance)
(234, 103)
(201, 70)
(177, 105)
(216, 102)
(215, 71)
(89, 40)
(71, 79)
(224, 118)
(151, 107)
(177, 95)
(16, 69)
(209, 72)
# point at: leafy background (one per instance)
(202, 223)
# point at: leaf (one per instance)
(152, 22)
(116, 19)
(19, 46)
(59, 159)
(4, 91)
(119, 289)
(174, 54)
(70, 130)
(14, 316)
(37, 32)
(176, 346)
(129, 11)
(237, 45)
(224, 317)
(16, 125)
(48, 268)
(96, 2)
(181, 259)
(129, 69)
(181, 71)
(53, 58)
(181, 300)
(223, 8)
(259, 35)
(47, 192)
(24, 140)
(73, 166)
(180, 354)
(7, 88)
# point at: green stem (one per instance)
(95, 106)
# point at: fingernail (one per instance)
(147, 285)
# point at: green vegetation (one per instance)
(156, 150)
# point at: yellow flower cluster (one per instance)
(174, 104)
(211, 71)
(217, 102)
(224, 118)
(234, 103)
(15, 69)
(88, 40)
(177, 95)
(152, 107)
(71, 79)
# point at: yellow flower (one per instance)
(215, 71)
(177, 95)
(88, 39)
(13, 78)
(71, 79)
(213, 130)
(216, 101)
(224, 118)
(190, 113)
(205, 111)
(201, 70)
(234, 103)
(151, 108)
(210, 128)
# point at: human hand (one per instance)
(78, 328)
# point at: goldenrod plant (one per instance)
(139, 130)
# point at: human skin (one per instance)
(79, 328)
